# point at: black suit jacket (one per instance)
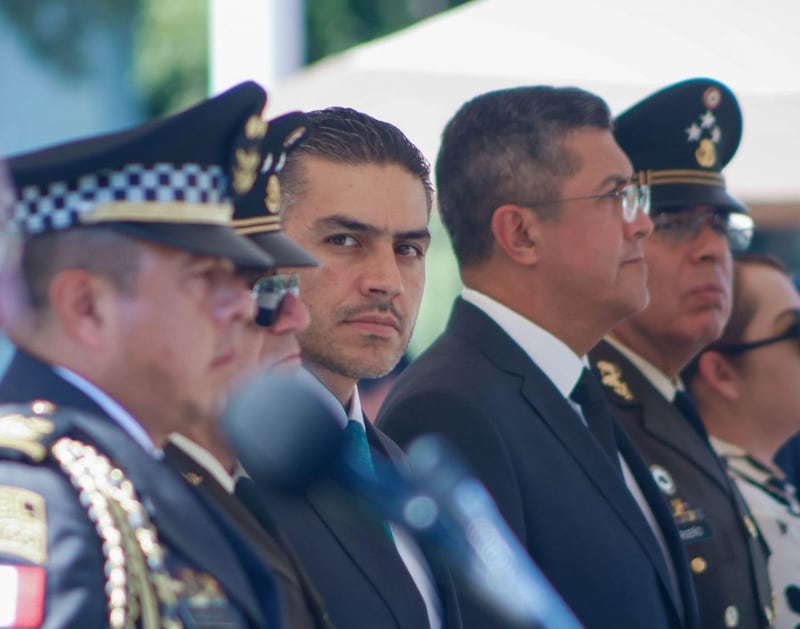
(193, 540)
(351, 560)
(728, 558)
(302, 605)
(557, 489)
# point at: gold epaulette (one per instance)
(140, 590)
(26, 432)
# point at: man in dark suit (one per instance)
(356, 194)
(679, 139)
(547, 228)
(129, 263)
(200, 452)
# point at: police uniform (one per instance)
(256, 216)
(678, 140)
(95, 530)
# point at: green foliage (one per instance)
(442, 285)
(55, 30)
(335, 25)
(171, 54)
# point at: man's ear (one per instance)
(517, 231)
(719, 374)
(81, 301)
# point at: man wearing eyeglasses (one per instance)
(547, 229)
(201, 453)
(679, 139)
(745, 385)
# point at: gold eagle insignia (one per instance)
(611, 377)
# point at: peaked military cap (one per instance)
(679, 140)
(171, 181)
(257, 213)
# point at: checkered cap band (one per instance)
(60, 204)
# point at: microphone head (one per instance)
(284, 433)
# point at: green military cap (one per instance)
(679, 140)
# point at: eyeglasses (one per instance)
(793, 332)
(631, 198)
(269, 293)
(678, 226)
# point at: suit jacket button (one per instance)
(731, 616)
(699, 565)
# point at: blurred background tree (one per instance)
(169, 39)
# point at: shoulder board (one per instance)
(28, 430)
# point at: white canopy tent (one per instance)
(619, 49)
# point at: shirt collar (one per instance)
(205, 459)
(657, 378)
(123, 418)
(551, 354)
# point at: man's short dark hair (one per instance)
(347, 136)
(99, 250)
(506, 147)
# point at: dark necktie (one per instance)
(684, 403)
(588, 394)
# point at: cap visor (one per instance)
(284, 250)
(206, 240)
(673, 197)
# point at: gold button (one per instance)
(731, 616)
(750, 526)
(699, 565)
(43, 407)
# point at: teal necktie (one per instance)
(358, 455)
(357, 448)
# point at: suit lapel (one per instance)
(156, 483)
(362, 535)
(555, 412)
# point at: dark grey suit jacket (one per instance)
(558, 491)
(352, 562)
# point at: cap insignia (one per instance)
(255, 128)
(245, 170)
(272, 200)
(705, 132)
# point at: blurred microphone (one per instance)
(287, 436)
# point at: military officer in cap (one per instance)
(678, 140)
(135, 290)
(200, 451)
